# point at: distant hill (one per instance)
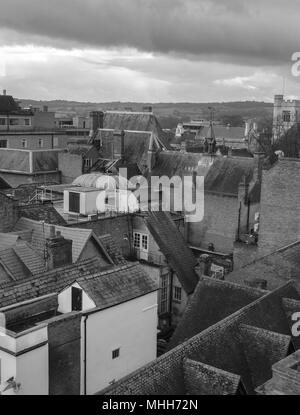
(170, 114)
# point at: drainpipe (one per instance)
(85, 355)
(171, 298)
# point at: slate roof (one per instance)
(174, 247)
(113, 249)
(4, 184)
(169, 163)
(8, 105)
(79, 236)
(41, 212)
(276, 268)
(246, 343)
(225, 174)
(201, 379)
(136, 146)
(47, 282)
(117, 285)
(135, 121)
(107, 286)
(18, 259)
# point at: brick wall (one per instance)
(280, 206)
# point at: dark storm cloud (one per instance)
(238, 30)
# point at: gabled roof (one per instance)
(135, 121)
(105, 286)
(174, 247)
(79, 236)
(117, 285)
(226, 173)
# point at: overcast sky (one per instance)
(149, 50)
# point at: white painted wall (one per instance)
(132, 327)
(33, 372)
(8, 369)
(65, 300)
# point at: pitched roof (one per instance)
(174, 247)
(105, 286)
(113, 249)
(201, 379)
(135, 121)
(81, 150)
(227, 345)
(8, 104)
(276, 268)
(169, 163)
(225, 174)
(41, 212)
(41, 231)
(117, 285)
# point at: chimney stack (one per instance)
(59, 250)
(4, 92)
(119, 144)
(97, 118)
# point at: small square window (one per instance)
(116, 353)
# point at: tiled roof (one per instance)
(4, 184)
(8, 104)
(47, 282)
(41, 212)
(174, 247)
(225, 174)
(201, 379)
(41, 231)
(20, 260)
(117, 285)
(7, 240)
(132, 121)
(237, 344)
(276, 268)
(180, 164)
(113, 249)
(106, 287)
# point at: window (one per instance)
(3, 143)
(177, 294)
(137, 240)
(2, 121)
(88, 163)
(140, 241)
(116, 353)
(41, 143)
(14, 121)
(24, 143)
(27, 121)
(55, 141)
(145, 242)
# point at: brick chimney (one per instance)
(59, 250)
(119, 144)
(96, 120)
